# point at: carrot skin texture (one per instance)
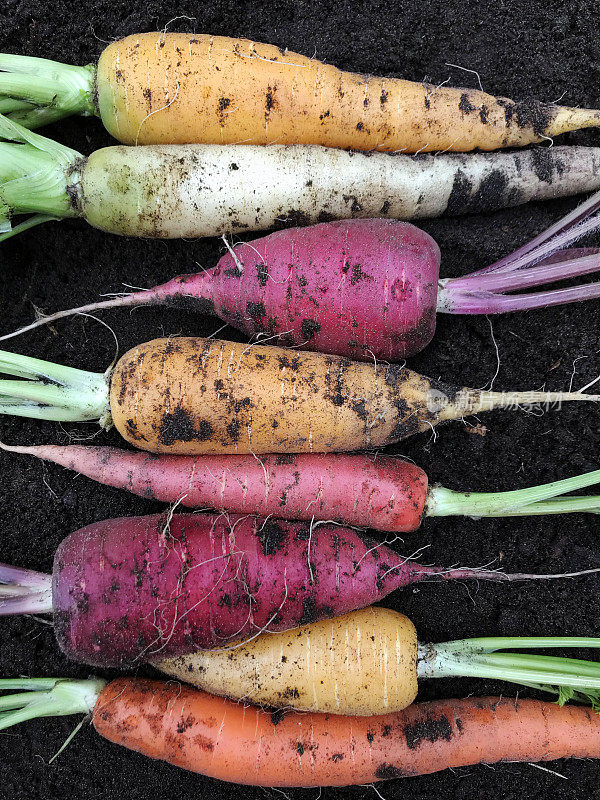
(248, 745)
(362, 663)
(195, 396)
(179, 88)
(357, 288)
(383, 493)
(140, 589)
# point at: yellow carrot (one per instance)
(169, 88)
(368, 662)
(193, 396)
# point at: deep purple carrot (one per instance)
(158, 586)
(366, 288)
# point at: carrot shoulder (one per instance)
(158, 88)
(228, 741)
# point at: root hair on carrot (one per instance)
(477, 75)
(156, 110)
(174, 19)
(233, 254)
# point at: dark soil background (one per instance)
(521, 49)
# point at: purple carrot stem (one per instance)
(26, 578)
(573, 252)
(541, 253)
(578, 215)
(521, 279)
(491, 303)
(37, 603)
(23, 591)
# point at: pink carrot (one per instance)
(379, 492)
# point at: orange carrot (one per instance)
(170, 88)
(248, 745)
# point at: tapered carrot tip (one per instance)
(570, 119)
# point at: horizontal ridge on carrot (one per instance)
(248, 745)
(173, 191)
(143, 588)
(366, 288)
(383, 492)
(194, 396)
(369, 662)
(177, 87)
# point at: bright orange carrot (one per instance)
(248, 745)
(169, 88)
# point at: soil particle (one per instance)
(489, 194)
(309, 611)
(177, 426)
(285, 458)
(272, 537)
(465, 104)
(428, 730)
(388, 771)
(308, 328)
(543, 164)
(262, 272)
(533, 114)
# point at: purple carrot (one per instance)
(144, 588)
(366, 288)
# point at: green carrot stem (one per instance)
(18, 700)
(32, 410)
(37, 175)
(52, 90)
(490, 644)
(32, 684)
(23, 87)
(443, 502)
(563, 505)
(52, 391)
(8, 104)
(27, 367)
(564, 694)
(478, 658)
(36, 391)
(30, 222)
(52, 697)
(560, 665)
